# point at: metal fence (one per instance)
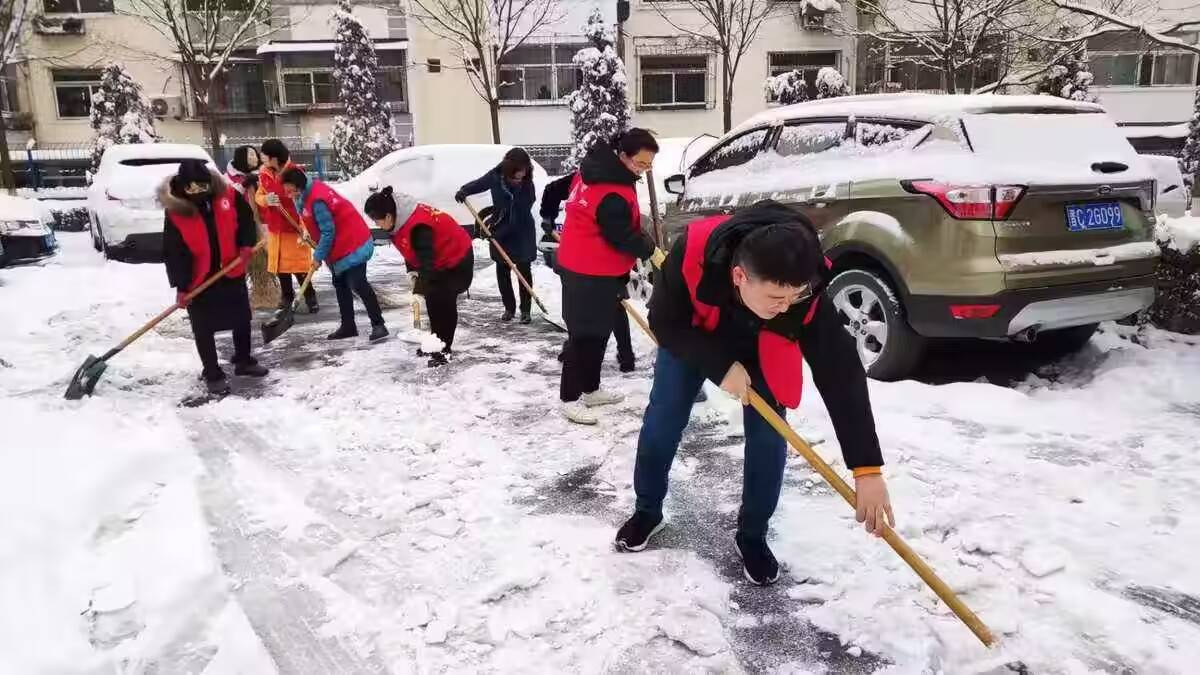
(551, 157)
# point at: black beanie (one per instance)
(193, 171)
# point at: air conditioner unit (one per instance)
(813, 20)
(167, 106)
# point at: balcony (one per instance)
(70, 25)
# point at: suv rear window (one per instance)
(151, 161)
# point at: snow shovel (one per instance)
(83, 382)
(557, 323)
(901, 547)
(286, 317)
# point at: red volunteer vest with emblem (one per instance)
(195, 236)
(271, 182)
(350, 231)
(450, 241)
(582, 248)
(780, 359)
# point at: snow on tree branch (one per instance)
(364, 134)
(120, 113)
(600, 107)
(1159, 34)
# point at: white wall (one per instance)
(1157, 105)
(312, 22)
(535, 125)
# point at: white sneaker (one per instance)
(578, 413)
(600, 397)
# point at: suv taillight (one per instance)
(971, 202)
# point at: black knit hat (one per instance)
(193, 171)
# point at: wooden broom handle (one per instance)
(504, 254)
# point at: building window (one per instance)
(392, 74)
(1130, 60)
(78, 6)
(73, 91)
(678, 82)
(241, 90)
(8, 89)
(532, 73)
(807, 63)
(311, 87)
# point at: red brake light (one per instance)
(974, 311)
(971, 202)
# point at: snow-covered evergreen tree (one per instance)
(1189, 161)
(787, 88)
(600, 107)
(364, 134)
(1070, 78)
(831, 83)
(120, 113)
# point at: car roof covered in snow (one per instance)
(125, 151)
(19, 208)
(916, 107)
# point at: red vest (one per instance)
(450, 241)
(582, 248)
(350, 231)
(272, 182)
(195, 236)
(780, 359)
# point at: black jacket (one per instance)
(554, 194)
(613, 214)
(829, 350)
(513, 225)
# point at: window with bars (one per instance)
(808, 63)
(73, 91)
(78, 6)
(539, 73)
(392, 75)
(309, 87)
(674, 82)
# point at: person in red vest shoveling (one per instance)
(602, 240)
(737, 300)
(207, 226)
(437, 251)
(343, 242)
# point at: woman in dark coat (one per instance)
(513, 195)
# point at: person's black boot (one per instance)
(507, 315)
(438, 359)
(216, 383)
(626, 362)
(758, 563)
(635, 534)
(250, 368)
(313, 307)
(526, 318)
(343, 332)
(378, 332)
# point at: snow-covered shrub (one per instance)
(1177, 305)
(1070, 79)
(1189, 160)
(831, 83)
(600, 107)
(787, 88)
(120, 113)
(364, 134)
(72, 219)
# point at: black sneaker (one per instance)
(636, 532)
(343, 332)
(438, 359)
(250, 368)
(218, 386)
(378, 333)
(526, 318)
(758, 563)
(507, 315)
(627, 363)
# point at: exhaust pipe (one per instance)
(1027, 336)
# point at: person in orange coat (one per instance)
(288, 255)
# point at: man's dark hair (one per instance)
(634, 141)
(381, 204)
(788, 254)
(275, 148)
(294, 176)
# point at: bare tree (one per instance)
(1109, 19)
(13, 14)
(486, 31)
(963, 39)
(206, 33)
(728, 28)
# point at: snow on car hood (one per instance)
(139, 182)
(19, 209)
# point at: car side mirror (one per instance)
(675, 184)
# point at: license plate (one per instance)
(1094, 216)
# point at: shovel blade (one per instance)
(279, 325)
(83, 382)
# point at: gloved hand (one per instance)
(273, 199)
(460, 196)
(549, 238)
(316, 265)
(658, 257)
(181, 298)
(548, 227)
(246, 253)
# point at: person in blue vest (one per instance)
(741, 301)
(206, 226)
(513, 194)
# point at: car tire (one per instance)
(1064, 341)
(872, 314)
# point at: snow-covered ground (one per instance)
(358, 513)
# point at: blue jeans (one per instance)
(675, 387)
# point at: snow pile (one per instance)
(364, 133)
(120, 113)
(1109, 255)
(1181, 235)
(53, 193)
(600, 107)
(1176, 305)
(831, 83)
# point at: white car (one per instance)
(125, 215)
(1173, 198)
(25, 233)
(432, 174)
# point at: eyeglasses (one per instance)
(196, 188)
